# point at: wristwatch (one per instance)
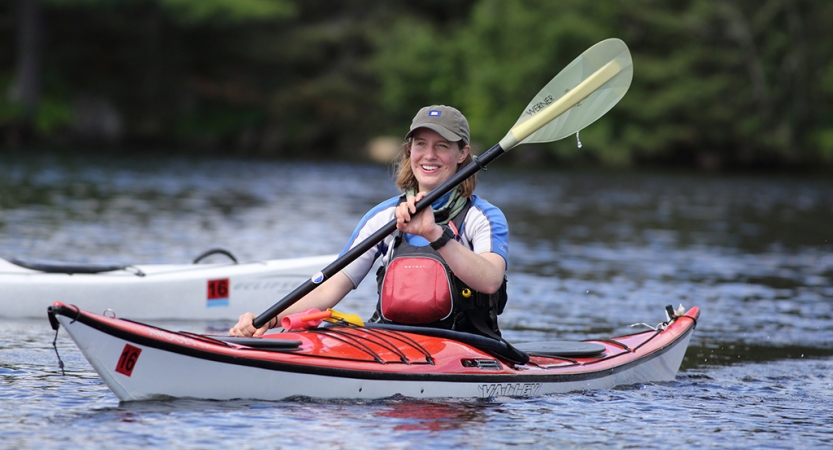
(448, 234)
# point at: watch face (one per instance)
(448, 231)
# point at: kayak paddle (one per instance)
(581, 93)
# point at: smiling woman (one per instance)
(581, 93)
(444, 266)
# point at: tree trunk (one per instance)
(27, 85)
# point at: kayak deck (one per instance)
(386, 350)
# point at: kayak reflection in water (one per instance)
(444, 267)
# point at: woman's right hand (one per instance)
(326, 296)
(421, 224)
(246, 328)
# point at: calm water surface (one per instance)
(591, 254)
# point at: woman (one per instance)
(469, 235)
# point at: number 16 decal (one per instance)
(218, 292)
(128, 359)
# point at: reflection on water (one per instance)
(590, 254)
(431, 416)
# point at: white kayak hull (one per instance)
(158, 291)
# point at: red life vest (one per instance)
(418, 288)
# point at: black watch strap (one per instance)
(448, 234)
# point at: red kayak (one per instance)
(342, 360)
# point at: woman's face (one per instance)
(434, 159)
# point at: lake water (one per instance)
(590, 254)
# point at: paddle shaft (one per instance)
(351, 255)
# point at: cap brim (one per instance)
(441, 130)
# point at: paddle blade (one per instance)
(581, 93)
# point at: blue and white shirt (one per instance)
(484, 230)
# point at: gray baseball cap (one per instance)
(450, 123)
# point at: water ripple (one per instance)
(590, 255)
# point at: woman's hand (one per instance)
(245, 327)
(421, 224)
(326, 296)
(482, 272)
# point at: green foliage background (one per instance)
(730, 84)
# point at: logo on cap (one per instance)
(434, 113)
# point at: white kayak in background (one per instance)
(196, 291)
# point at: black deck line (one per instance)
(371, 337)
(382, 339)
(68, 268)
(363, 374)
(408, 341)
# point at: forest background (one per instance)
(718, 85)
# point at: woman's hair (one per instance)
(405, 178)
